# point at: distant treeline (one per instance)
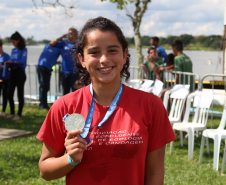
(200, 41)
(29, 41)
(212, 42)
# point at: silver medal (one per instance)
(74, 122)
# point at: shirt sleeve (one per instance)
(177, 64)
(53, 132)
(159, 62)
(23, 58)
(7, 58)
(164, 54)
(59, 44)
(146, 63)
(160, 130)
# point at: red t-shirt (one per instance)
(117, 155)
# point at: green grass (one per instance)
(19, 157)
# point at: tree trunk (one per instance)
(141, 7)
(139, 54)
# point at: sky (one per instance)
(162, 18)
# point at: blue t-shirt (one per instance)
(161, 52)
(5, 57)
(68, 65)
(19, 56)
(49, 56)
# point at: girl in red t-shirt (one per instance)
(102, 59)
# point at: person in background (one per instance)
(17, 63)
(78, 83)
(139, 122)
(4, 78)
(45, 63)
(182, 63)
(168, 66)
(152, 62)
(69, 72)
(161, 51)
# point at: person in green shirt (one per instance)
(168, 66)
(152, 62)
(182, 63)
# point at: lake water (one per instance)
(199, 58)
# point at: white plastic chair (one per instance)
(177, 96)
(216, 134)
(134, 83)
(147, 85)
(156, 89)
(202, 101)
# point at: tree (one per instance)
(171, 38)
(68, 6)
(200, 38)
(186, 39)
(6, 40)
(45, 41)
(130, 40)
(145, 40)
(136, 18)
(30, 40)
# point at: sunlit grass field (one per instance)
(19, 157)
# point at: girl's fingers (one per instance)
(73, 133)
(76, 145)
(75, 140)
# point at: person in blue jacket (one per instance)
(161, 51)
(47, 60)
(69, 72)
(4, 78)
(17, 63)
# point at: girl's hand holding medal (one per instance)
(75, 145)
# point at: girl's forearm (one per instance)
(55, 167)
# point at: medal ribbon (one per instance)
(107, 115)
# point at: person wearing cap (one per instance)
(4, 78)
(161, 51)
(69, 73)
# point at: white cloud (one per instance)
(163, 17)
(31, 26)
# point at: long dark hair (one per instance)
(21, 43)
(102, 24)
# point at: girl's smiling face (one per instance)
(103, 57)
